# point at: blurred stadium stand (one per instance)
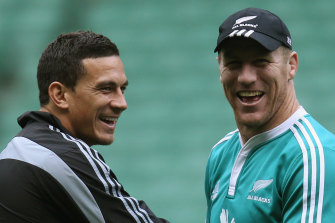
(177, 110)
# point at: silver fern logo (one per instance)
(244, 19)
(260, 184)
(241, 22)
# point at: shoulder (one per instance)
(30, 152)
(311, 151)
(222, 143)
(34, 166)
(313, 139)
(41, 176)
(27, 156)
(223, 151)
(311, 171)
(226, 138)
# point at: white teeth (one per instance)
(250, 93)
(109, 119)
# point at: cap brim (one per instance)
(266, 41)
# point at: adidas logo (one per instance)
(242, 32)
(240, 23)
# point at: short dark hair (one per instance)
(62, 59)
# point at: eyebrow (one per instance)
(112, 83)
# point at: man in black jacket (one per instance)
(49, 172)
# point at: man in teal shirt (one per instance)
(279, 165)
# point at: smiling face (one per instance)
(258, 84)
(97, 101)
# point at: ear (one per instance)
(219, 57)
(218, 60)
(58, 94)
(293, 64)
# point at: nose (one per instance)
(247, 75)
(118, 102)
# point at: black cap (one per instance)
(261, 25)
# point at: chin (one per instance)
(251, 120)
(106, 141)
(102, 141)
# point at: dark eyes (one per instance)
(123, 89)
(261, 62)
(231, 63)
(106, 89)
(111, 89)
(234, 64)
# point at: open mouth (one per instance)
(108, 120)
(250, 96)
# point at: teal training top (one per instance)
(286, 174)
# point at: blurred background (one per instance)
(176, 107)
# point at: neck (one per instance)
(59, 113)
(279, 116)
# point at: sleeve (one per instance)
(306, 184)
(114, 201)
(292, 195)
(151, 214)
(121, 207)
(326, 196)
(208, 192)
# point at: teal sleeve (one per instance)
(208, 192)
(302, 203)
(328, 206)
(292, 192)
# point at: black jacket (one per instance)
(47, 176)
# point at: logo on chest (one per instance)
(259, 193)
